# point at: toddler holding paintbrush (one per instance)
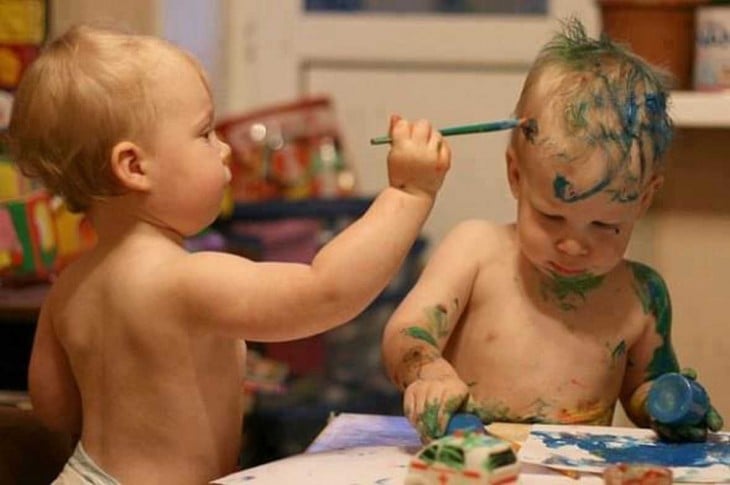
(543, 320)
(137, 349)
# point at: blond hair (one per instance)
(595, 94)
(88, 90)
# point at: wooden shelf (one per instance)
(692, 109)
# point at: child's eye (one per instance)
(207, 134)
(605, 225)
(551, 217)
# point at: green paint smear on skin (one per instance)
(563, 289)
(493, 411)
(437, 325)
(428, 420)
(576, 116)
(421, 334)
(654, 297)
(618, 351)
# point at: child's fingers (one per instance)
(444, 414)
(435, 140)
(419, 403)
(694, 434)
(394, 118)
(450, 404)
(422, 131)
(399, 128)
(445, 154)
(409, 405)
(680, 434)
(689, 373)
(714, 420)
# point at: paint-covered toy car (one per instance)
(464, 458)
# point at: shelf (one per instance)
(693, 109)
(304, 208)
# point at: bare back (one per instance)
(161, 399)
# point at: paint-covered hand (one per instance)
(430, 403)
(697, 432)
(419, 157)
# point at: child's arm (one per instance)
(652, 356)
(420, 328)
(284, 301)
(53, 392)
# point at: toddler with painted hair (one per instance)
(544, 320)
(137, 350)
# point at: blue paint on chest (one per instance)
(626, 449)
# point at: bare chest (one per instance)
(527, 358)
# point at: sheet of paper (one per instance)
(361, 465)
(592, 448)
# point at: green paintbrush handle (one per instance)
(462, 130)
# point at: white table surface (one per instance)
(359, 449)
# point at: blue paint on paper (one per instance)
(609, 449)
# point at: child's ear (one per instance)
(129, 167)
(651, 189)
(513, 171)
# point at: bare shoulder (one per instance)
(477, 239)
(66, 284)
(649, 286)
(482, 233)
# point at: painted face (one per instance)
(570, 239)
(190, 163)
(587, 172)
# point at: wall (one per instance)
(198, 26)
(136, 15)
(691, 225)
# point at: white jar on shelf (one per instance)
(712, 55)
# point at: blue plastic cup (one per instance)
(677, 400)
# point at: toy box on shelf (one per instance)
(38, 235)
(288, 151)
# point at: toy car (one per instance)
(464, 458)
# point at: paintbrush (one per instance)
(527, 124)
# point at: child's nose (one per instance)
(226, 153)
(572, 247)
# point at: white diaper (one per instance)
(80, 469)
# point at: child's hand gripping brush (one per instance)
(528, 125)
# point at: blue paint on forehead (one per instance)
(565, 191)
(610, 449)
(615, 102)
(659, 126)
(629, 112)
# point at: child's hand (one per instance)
(419, 157)
(429, 404)
(696, 432)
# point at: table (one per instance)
(19, 308)
(22, 304)
(369, 449)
